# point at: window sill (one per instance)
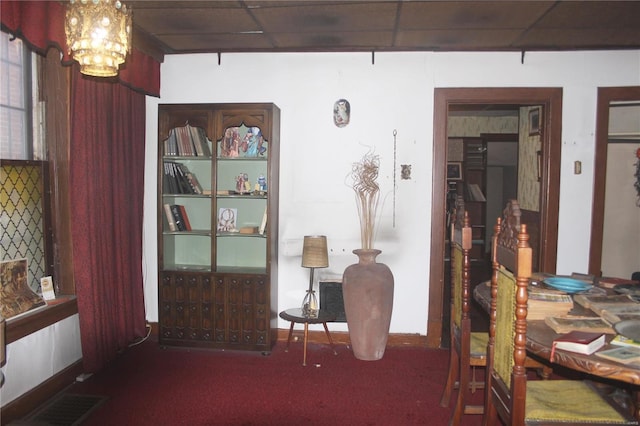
(39, 318)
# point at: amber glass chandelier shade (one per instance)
(314, 252)
(98, 35)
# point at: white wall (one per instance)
(621, 227)
(39, 356)
(395, 93)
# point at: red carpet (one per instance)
(149, 385)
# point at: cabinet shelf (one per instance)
(218, 289)
(243, 196)
(239, 235)
(206, 233)
(234, 159)
(186, 158)
(187, 195)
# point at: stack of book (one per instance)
(620, 340)
(611, 303)
(179, 180)
(612, 282)
(616, 314)
(187, 141)
(547, 303)
(177, 217)
(566, 324)
(622, 354)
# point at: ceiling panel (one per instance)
(470, 15)
(457, 39)
(166, 27)
(329, 17)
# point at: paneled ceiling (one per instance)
(175, 27)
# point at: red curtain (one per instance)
(41, 25)
(107, 181)
(106, 172)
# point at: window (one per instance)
(24, 178)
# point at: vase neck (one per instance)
(367, 255)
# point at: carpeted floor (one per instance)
(149, 385)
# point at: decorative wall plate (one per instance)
(341, 112)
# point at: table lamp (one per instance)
(314, 255)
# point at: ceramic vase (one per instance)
(367, 288)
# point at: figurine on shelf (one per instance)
(252, 144)
(262, 183)
(241, 182)
(230, 145)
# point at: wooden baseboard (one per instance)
(338, 337)
(31, 400)
(342, 338)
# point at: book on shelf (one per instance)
(195, 184)
(543, 303)
(612, 282)
(184, 142)
(263, 224)
(177, 217)
(179, 180)
(598, 303)
(170, 219)
(620, 340)
(187, 141)
(185, 217)
(169, 180)
(200, 141)
(621, 313)
(582, 342)
(566, 324)
(622, 354)
(171, 144)
(190, 182)
(181, 176)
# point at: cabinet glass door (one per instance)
(186, 200)
(241, 200)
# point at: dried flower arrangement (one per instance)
(364, 174)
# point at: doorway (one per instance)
(551, 101)
(606, 97)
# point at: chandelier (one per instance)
(98, 35)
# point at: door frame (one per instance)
(606, 95)
(551, 100)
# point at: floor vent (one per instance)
(64, 410)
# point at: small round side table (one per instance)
(295, 315)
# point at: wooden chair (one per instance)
(468, 349)
(508, 394)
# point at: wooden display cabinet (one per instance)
(218, 225)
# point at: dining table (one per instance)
(539, 340)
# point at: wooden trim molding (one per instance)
(606, 95)
(24, 404)
(342, 338)
(39, 318)
(551, 101)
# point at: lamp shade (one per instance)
(314, 252)
(98, 35)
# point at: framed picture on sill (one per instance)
(454, 170)
(534, 122)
